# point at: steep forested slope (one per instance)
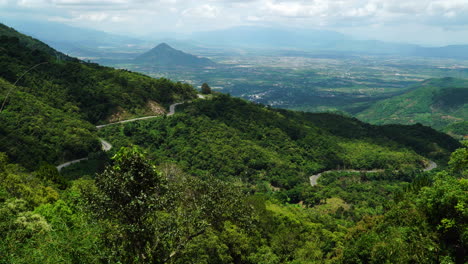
(231, 138)
(31, 131)
(45, 117)
(435, 102)
(139, 211)
(97, 92)
(422, 139)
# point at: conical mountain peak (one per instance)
(164, 55)
(164, 46)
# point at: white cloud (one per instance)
(87, 2)
(203, 11)
(254, 18)
(190, 15)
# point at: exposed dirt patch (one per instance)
(451, 118)
(118, 115)
(154, 108)
(275, 189)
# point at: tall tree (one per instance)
(127, 195)
(151, 215)
(205, 89)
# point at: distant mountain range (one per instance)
(92, 43)
(435, 102)
(76, 41)
(32, 43)
(319, 41)
(165, 56)
(272, 38)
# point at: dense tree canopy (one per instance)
(140, 212)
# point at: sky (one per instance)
(425, 22)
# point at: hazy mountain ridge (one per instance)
(67, 38)
(86, 42)
(31, 42)
(319, 41)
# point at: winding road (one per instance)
(171, 112)
(106, 146)
(314, 178)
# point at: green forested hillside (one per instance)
(220, 181)
(45, 117)
(230, 138)
(32, 132)
(94, 91)
(142, 211)
(435, 102)
(457, 129)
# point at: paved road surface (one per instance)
(105, 146)
(171, 112)
(172, 108)
(66, 164)
(126, 121)
(313, 179)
